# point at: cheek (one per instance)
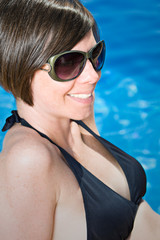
(48, 90)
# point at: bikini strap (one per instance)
(15, 118)
(10, 121)
(82, 124)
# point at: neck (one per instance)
(57, 129)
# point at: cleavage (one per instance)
(99, 162)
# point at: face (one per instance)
(73, 99)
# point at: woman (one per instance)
(59, 179)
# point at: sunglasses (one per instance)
(69, 65)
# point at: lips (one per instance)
(81, 96)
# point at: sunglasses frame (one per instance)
(87, 55)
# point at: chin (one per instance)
(81, 116)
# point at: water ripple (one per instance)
(128, 95)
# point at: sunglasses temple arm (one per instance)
(46, 67)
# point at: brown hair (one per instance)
(31, 31)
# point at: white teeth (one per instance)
(83, 96)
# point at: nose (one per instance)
(89, 74)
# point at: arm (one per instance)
(147, 224)
(28, 195)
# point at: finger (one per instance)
(75, 131)
(77, 145)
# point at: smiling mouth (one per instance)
(81, 96)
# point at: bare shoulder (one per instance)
(27, 155)
(28, 186)
(25, 146)
(147, 223)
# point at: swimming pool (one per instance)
(128, 95)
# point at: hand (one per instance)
(77, 144)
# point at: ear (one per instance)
(46, 67)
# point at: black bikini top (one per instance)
(109, 216)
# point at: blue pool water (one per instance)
(128, 96)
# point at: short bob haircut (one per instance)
(31, 31)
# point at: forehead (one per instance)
(86, 43)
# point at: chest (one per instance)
(100, 172)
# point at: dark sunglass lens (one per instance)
(98, 56)
(68, 66)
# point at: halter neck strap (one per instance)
(15, 118)
(10, 121)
